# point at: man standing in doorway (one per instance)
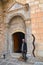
(24, 49)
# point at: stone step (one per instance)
(16, 55)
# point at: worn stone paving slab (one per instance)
(1, 60)
(15, 61)
(38, 63)
(10, 64)
(4, 63)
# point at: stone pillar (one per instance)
(10, 43)
(28, 37)
(6, 38)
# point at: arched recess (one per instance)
(16, 24)
(17, 41)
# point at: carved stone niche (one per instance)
(26, 6)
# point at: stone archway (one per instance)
(16, 24)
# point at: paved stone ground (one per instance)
(15, 61)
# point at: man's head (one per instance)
(23, 40)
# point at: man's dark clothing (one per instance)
(24, 50)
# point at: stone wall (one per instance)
(36, 13)
(2, 31)
(36, 7)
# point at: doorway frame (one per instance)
(19, 39)
(10, 47)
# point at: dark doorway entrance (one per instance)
(17, 38)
